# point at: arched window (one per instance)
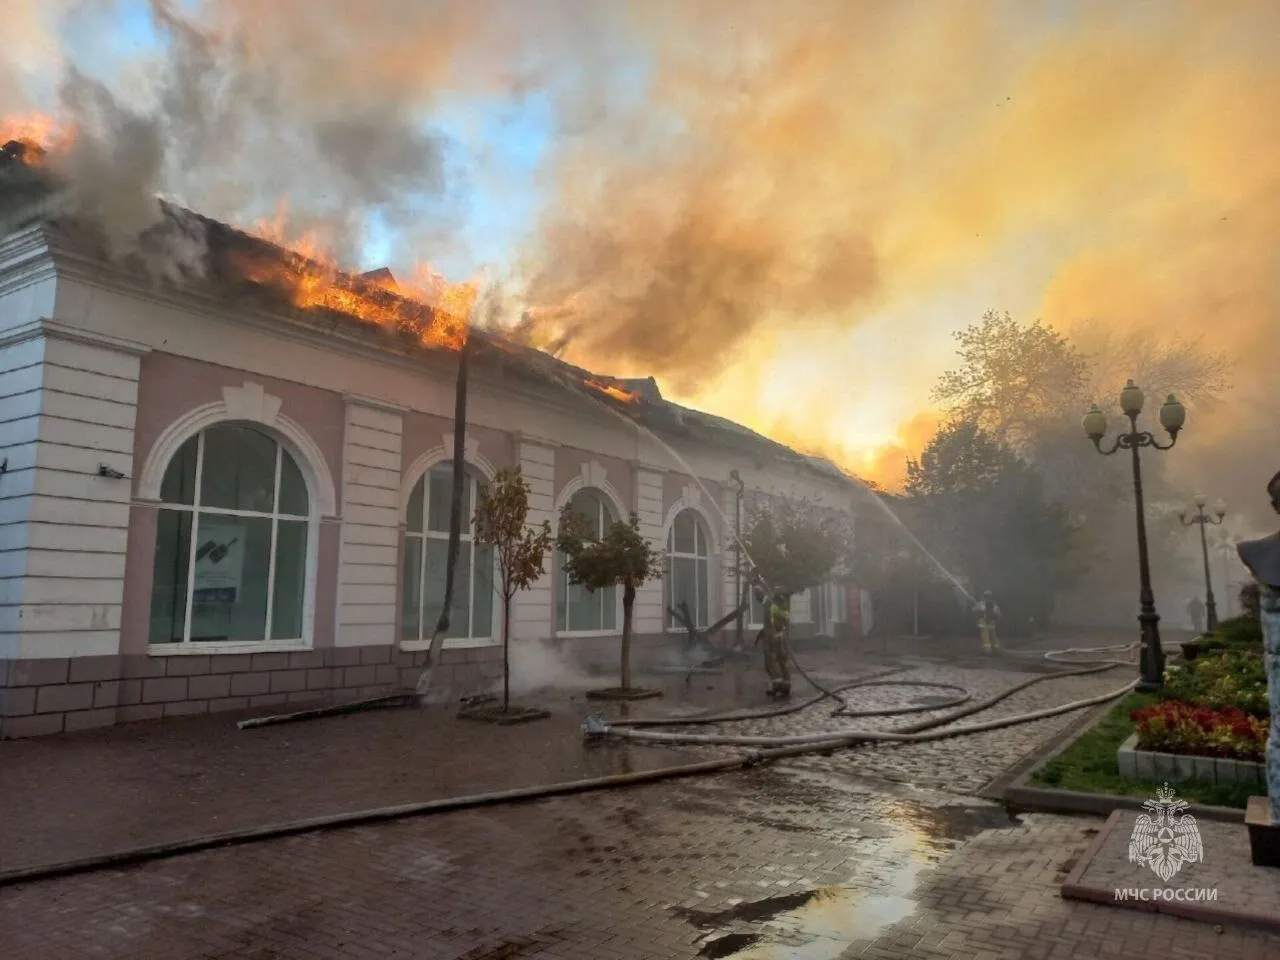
(426, 553)
(687, 576)
(243, 576)
(578, 609)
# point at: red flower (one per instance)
(1175, 726)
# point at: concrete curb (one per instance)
(1017, 775)
(1074, 888)
(1138, 764)
(1042, 800)
(1013, 790)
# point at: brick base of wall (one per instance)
(39, 697)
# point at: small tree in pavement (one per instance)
(501, 518)
(622, 557)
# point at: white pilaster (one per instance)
(531, 610)
(69, 405)
(368, 572)
(648, 610)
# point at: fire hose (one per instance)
(596, 727)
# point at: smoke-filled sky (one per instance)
(782, 210)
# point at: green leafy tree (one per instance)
(986, 509)
(501, 519)
(1029, 385)
(1013, 380)
(793, 544)
(621, 558)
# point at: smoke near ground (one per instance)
(780, 210)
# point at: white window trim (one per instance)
(588, 634)
(246, 404)
(205, 648)
(467, 536)
(604, 501)
(700, 534)
(453, 643)
(187, 646)
(837, 590)
(807, 593)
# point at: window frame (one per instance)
(809, 607)
(747, 620)
(701, 535)
(559, 577)
(476, 477)
(837, 601)
(189, 647)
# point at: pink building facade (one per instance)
(206, 507)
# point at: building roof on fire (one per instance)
(206, 256)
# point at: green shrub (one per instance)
(1239, 632)
(1232, 677)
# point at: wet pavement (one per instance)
(818, 858)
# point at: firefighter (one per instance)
(988, 613)
(776, 648)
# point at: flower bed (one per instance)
(1174, 726)
(1235, 678)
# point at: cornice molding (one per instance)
(348, 338)
(30, 254)
(25, 259)
(57, 330)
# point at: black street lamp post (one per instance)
(1202, 519)
(1172, 416)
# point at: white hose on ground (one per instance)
(924, 731)
(848, 737)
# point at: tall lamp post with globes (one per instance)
(1172, 416)
(1202, 520)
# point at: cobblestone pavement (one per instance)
(817, 859)
(963, 764)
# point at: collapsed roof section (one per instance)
(200, 255)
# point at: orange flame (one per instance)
(613, 390)
(429, 308)
(38, 132)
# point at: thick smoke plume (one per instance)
(781, 210)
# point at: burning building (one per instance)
(224, 469)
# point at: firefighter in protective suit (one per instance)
(773, 637)
(988, 612)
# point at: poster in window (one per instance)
(219, 563)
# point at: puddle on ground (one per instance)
(902, 830)
(945, 823)
(812, 925)
(750, 911)
(728, 945)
